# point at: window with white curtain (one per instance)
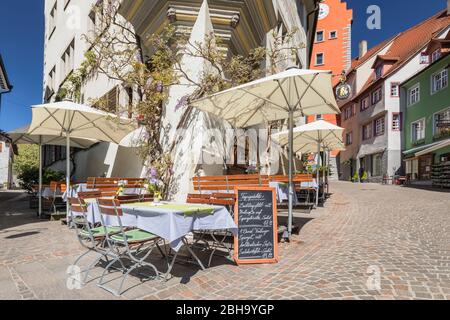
(418, 130)
(439, 81)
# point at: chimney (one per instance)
(363, 47)
(448, 7)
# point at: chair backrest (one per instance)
(302, 177)
(146, 198)
(108, 191)
(198, 200)
(77, 205)
(54, 185)
(227, 183)
(217, 195)
(128, 199)
(78, 208)
(223, 199)
(89, 194)
(110, 207)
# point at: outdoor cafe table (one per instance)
(170, 221)
(47, 192)
(282, 190)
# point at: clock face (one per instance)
(323, 11)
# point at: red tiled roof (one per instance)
(370, 53)
(407, 44)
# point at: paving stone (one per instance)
(333, 257)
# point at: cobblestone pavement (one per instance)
(364, 229)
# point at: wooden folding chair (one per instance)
(134, 245)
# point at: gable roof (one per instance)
(407, 44)
(5, 85)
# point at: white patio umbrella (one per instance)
(313, 137)
(71, 120)
(291, 94)
(21, 136)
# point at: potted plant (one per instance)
(364, 177)
(155, 186)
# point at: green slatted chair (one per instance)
(93, 239)
(134, 245)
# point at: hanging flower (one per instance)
(159, 86)
(181, 103)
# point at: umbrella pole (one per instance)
(291, 160)
(40, 177)
(325, 182)
(328, 171)
(67, 171)
(318, 174)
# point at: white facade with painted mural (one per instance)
(235, 23)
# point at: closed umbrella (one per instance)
(21, 136)
(291, 94)
(71, 120)
(313, 137)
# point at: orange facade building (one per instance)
(332, 48)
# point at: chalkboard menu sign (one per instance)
(256, 217)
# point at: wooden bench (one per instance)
(100, 182)
(227, 183)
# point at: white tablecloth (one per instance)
(170, 225)
(47, 192)
(73, 191)
(135, 191)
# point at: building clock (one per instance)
(324, 10)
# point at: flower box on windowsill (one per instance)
(418, 142)
(441, 135)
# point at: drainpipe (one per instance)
(313, 31)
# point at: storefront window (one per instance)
(442, 122)
(377, 164)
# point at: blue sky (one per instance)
(22, 39)
(21, 46)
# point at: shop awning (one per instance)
(413, 151)
(439, 145)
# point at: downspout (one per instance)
(315, 11)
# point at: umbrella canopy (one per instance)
(306, 92)
(288, 95)
(307, 137)
(79, 121)
(71, 120)
(21, 136)
(313, 137)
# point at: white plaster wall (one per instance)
(110, 160)
(72, 23)
(289, 12)
(365, 70)
(5, 162)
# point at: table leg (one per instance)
(176, 255)
(193, 254)
(169, 270)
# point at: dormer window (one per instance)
(378, 72)
(435, 55)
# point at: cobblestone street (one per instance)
(401, 232)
